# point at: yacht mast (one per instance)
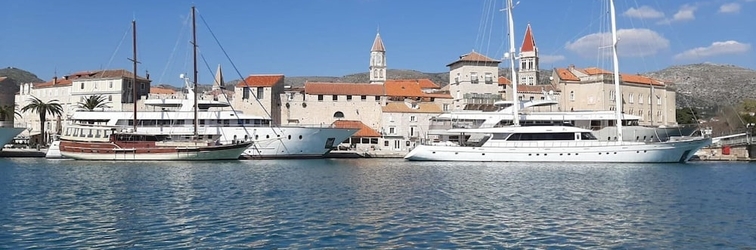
(134, 83)
(618, 95)
(194, 71)
(513, 76)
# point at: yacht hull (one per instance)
(7, 134)
(603, 152)
(111, 152)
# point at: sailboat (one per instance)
(517, 143)
(97, 142)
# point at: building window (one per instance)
(474, 77)
(111, 84)
(413, 118)
(631, 99)
(110, 98)
(260, 93)
(489, 78)
(338, 115)
(377, 98)
(385, 143)
(530, 65)
(530, 80)
(392, 130)
(572, 95)
(349, 97)
(611, 95)
(640, 98)
(412, 132)
(658, 100)
(532, 98)
(82, 85)
(140, 86)
(523, 65)
(446, 107)
(320, 98)
(522, 80)
(245, 93)
(335, 97)
(363, 97)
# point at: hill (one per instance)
(709, 85)
(19, 75)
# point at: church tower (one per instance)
(528, 72)
(378, 61)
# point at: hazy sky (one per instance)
(333, 37)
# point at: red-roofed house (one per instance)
(593, 89)
(260, 95)
(472, 80)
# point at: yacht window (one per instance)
(542, 137)
(500, 136)
(587, 136)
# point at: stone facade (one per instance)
(473, 80)
(593, 89)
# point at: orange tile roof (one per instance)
(595, 71)
(330, 88)
(538, 89)
(161, 91)
(401, 107)
(528, 43)
(424, 83)
(261, 81)
(54, 83)
(101, 74)
(473, 57)
(403, 89)
(504, 81)
(442, 95)
(364, 131)
(566, 75)
(640, 79)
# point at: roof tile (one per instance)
(364, 131)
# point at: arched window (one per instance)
(338, 114)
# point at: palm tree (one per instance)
(93, 102)
(43, 108)
(7, 112)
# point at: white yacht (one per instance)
(555, 143)
(7, 134)
(601, 122)
(176, 116)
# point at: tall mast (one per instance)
(194, 71)
(515, 101)
(134, 83)
(618, 95)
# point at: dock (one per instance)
(22, 153)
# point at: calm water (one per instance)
(306, 204)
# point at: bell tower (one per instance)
(528, 72)
(378, 61)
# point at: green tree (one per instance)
(43, 108)
(7, 112)
(93, 102)
(686, 116)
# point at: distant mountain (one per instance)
(709, 85)
(20, 75)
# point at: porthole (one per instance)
(599, 153)
(644, 151)
(300, 137)
(267, 136)
(530, 154)
(483, 154)
(289, 137)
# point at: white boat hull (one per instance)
(53, 152)
(604, 152)
(7, 134)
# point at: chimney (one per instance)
(147, 74)
(65, 77)
(55, 80)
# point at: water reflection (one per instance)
(376, 203)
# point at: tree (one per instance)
(93, 102)
(7, 112)
(43, 108)
(686, 116)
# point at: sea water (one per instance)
(374, 203)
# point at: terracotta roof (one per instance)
(330, 88)
(403, 89)
(443, 95)
(162, 91)
(103, 74)
(566, 75)
(401, 107)
(364, 131)
(424, 83)
(538, 89)
(54, 83)
(261, 81)
(528, 43)
(640, 79)
(378, 44)
(504, 81)
(473, 57)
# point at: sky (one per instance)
(334, 37)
